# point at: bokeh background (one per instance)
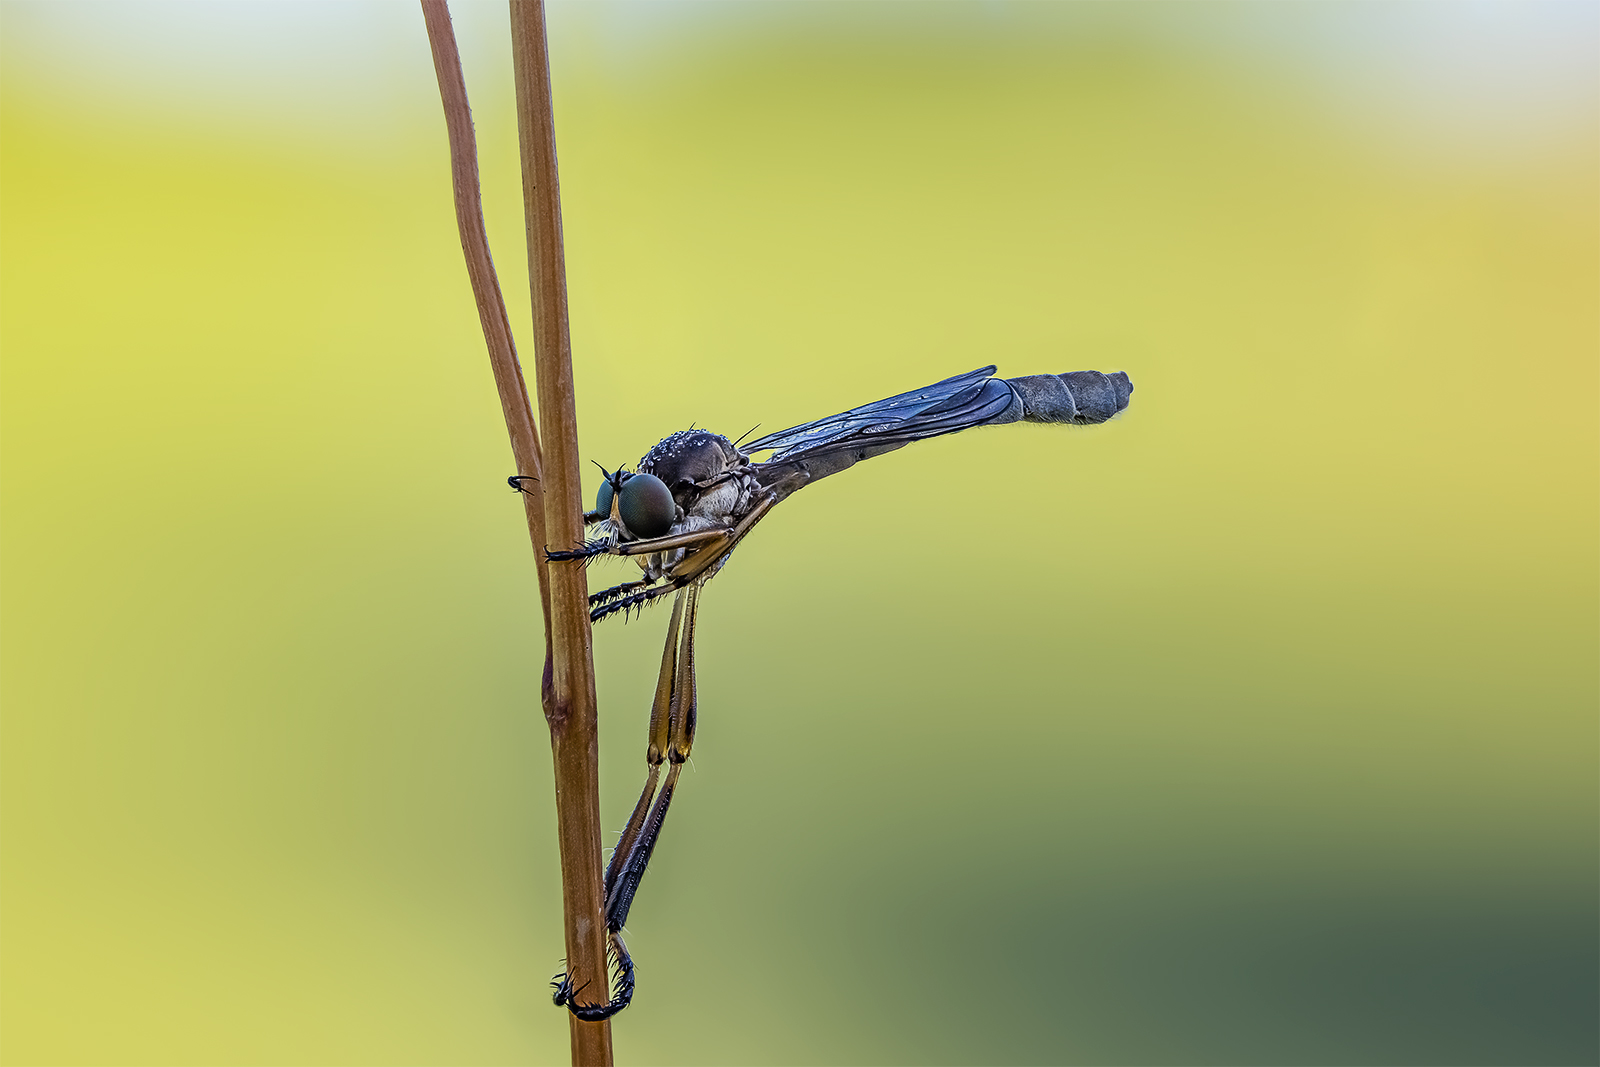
(1257, 726)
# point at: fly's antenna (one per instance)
(613, 478)
(747, 433)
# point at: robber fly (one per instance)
(692, 500)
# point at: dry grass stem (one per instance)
(485, 284)
(571, 712)
(553, 504)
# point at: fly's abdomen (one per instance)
(1078, 396)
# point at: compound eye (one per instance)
(646, 506)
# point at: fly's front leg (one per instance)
(696, 539)
(598, 547)
(605, 546)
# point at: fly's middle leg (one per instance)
(710, 546)
(606, 596)
(627, 602)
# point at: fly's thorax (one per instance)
(724, 503)
(709, 477)
(691, 456)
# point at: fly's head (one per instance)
(637, 506)
(707, 476)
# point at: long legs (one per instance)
(606, 596)
(711, 548)
(672, 724)
(606, 547)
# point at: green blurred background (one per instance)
(1257, 726)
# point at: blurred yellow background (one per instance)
(1257, 726)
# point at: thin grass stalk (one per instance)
(572, 711)
(486, 284)
(567, 689)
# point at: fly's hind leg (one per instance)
(672, 725)
(672, 722)
(638, 841)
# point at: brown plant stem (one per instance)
(552, 504)
(485, 284)
(572, 712)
